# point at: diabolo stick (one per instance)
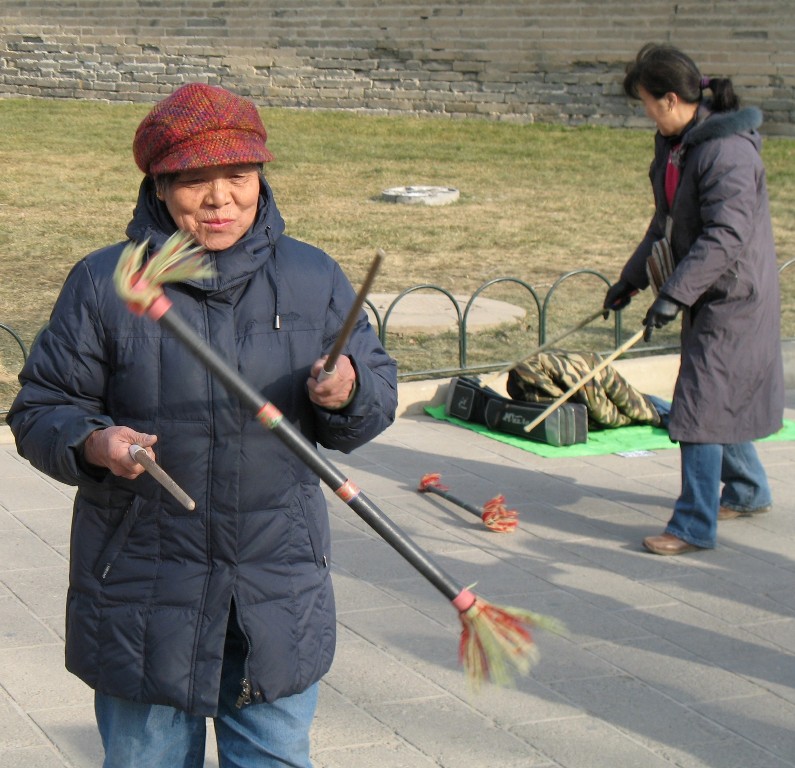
(546, 345)
(496, 642)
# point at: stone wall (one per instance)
(522, 60)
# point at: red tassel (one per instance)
(431, 480)
(497, 517)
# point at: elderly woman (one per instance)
(226, 611)
(712, 219)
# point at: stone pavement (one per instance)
(686, 661)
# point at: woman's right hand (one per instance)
(618, 296)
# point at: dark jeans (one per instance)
(704, 467)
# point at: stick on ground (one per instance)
(494, 514)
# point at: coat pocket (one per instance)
(313, 507)
(117, 540)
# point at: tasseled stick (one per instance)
(140, 284)
(494, 514)
(495, 641)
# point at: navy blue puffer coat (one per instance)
(151, 584)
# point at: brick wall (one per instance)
(522, 60)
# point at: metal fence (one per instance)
(381, 324)
(542, 308)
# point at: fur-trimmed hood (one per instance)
(718, 125)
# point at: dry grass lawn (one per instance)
(536, 202)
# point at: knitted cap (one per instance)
(200, 126)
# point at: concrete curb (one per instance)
(652, 375)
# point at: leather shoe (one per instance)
(668, 544)
(726, 513)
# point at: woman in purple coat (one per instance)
(712, 218)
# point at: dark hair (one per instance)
(661, 69)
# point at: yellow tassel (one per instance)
(497, 642)
(179, 259)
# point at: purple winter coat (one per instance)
(730, 387)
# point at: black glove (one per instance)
(660, 313)
(618, 296)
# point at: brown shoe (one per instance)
(668, 544)
(727, 513)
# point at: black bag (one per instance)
(469, 401)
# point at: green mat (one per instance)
(622, 440)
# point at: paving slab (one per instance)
(686, 662)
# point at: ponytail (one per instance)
(724, 99)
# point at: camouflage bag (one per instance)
(610, 399)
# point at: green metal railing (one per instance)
(542, 308)
(462, 320)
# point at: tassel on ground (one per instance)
(494, 514)
(497, 517)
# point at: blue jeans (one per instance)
(260, 734)
(704, 467)
(663, 407)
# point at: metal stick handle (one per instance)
(140, 455)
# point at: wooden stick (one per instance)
(140, 455)
(546, 345)
(330, 366)
(584, 380)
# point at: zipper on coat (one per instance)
(116, 542)
(246, 695)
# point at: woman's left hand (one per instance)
(332, 391)
(662, 312)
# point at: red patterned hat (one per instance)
(200, 126)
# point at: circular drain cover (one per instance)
(423, 195)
